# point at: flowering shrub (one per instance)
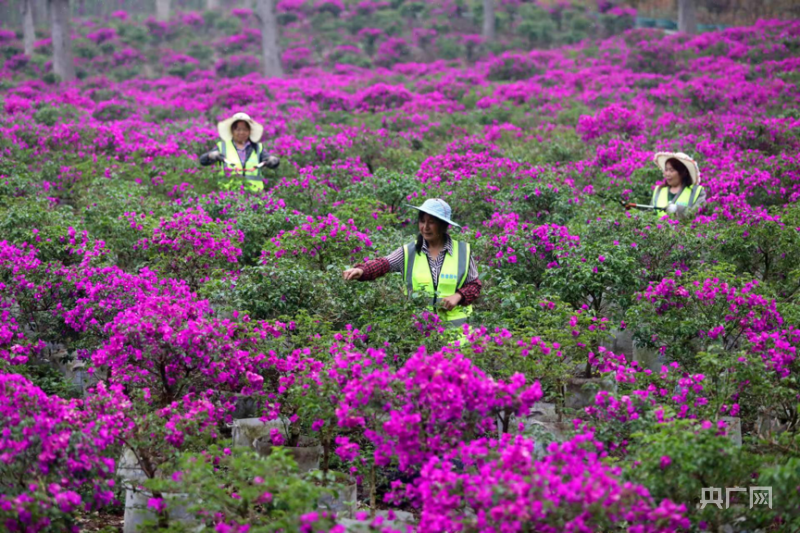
(143, 342)
(429, 405)
(128, 277)
(295, 58)
(236, 65)
(527, 250)
(189, 243)
(570, 488)
(612, 119)
(52, 454)
(381, 97)
(248, 491)
(703, 311)
(391, 51)
(319, 242)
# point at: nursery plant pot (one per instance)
(539, 412)
(643, 22)
(246, 406)
(647, 358)
(128, 468)
(403, 521)
(543, 411)
(136, 498)
(769, 426)
(137, 512)
(580, 392)
(306, 457)
(343, 502)
(733, 426)
(247, 430)
(542, 425)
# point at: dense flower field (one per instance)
(145, 309)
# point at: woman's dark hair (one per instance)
(680, 168)
(443, 226)
(233, 126)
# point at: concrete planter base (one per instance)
(246, 430)
(343, 503)
(580, 392)
(306, 457)
(137, 512)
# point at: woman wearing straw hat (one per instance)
(681, 193)
(435, 264)
(239, 152)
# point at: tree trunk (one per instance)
(687, 16)
(162, 9)
(63, 64)
(212, 5)
(270, 51)
(488, 21)
(28, 30)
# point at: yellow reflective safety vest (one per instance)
(686, 197)
(233, 167)
(417, 275)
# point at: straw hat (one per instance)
(660, 159)
(438, 208)
(224, 127)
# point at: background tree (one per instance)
(270, 51)
(687, 16)
(63, 64)
(488, 21)
(162, 9)
(28, 31)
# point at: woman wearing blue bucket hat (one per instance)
(436, 264)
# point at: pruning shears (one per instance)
(645, 207)
(227, 162)
(259, 165)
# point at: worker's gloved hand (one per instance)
(214, 155)
(672, 208)
(272, 162)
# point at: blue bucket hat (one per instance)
(436, 207)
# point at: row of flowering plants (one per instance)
(363, 34)
(142, 306)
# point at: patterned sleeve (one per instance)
(380, 267)
(396, 259)
(472, 273)
(373, 269)
(469, 292)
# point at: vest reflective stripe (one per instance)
(410, 254)
(251, 170)
(685, 197)
(417, 275)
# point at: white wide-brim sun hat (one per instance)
(661, 158)
(438, 208)
(224, 127)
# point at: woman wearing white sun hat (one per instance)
(681, 193)
(435, 264)
(239, 152)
